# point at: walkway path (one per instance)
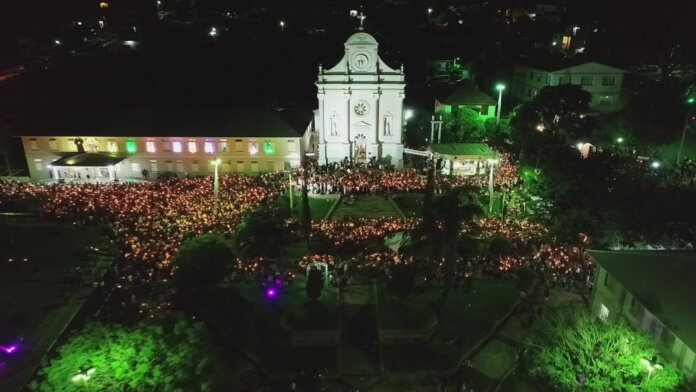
(358, 350)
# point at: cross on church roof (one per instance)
(362, 18)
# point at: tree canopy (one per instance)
(554, 117)
(577, 347)
(202, 261)
(150, 356)
(262, 233)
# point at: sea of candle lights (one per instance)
(150, 221)
(350, 178)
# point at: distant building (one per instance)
(445, 71)
(466, 95)
(121, 144)
(574, 39)
(602, 81)
(360, 113)
(652, 291)
(550, 12)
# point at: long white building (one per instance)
(144, 143)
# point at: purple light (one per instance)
(9, 349)
(270, 293)
(278, 282)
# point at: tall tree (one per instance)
(555, 117)
(577, 351)
(262, 233)
(438, 238)
(202, 261)
(305, 213)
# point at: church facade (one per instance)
(360, 113)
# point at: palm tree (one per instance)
(437, 238)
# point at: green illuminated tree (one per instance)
(150, 356)
(463, 125)
(202, 261)
(606, 356)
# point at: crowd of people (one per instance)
(150, 220)
(348, 177)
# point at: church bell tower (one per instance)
(360, 114)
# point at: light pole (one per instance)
(430, 11)
(651, 365)
(500, 87)
(290, 188)
(689, 101)
(84, 376)
(216, 182)
(282, 25)
(491, 164)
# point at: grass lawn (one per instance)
(254, 322)
(465, 317)
(40, 290)
(365, 206)
(411, 204)
(319, 205)
(32, 290)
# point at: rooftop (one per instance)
(468, 94)
(210, 122)
(469, 150)
(552, 63)
(662, 281)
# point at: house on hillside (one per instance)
(602, 81)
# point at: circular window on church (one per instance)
(361, 108)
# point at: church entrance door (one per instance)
(360, 148)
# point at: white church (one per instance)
(360, 114)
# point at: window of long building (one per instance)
(192, 147)
(150, 146)
(52, 144)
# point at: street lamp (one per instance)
(500, 87)
(282, 25)
(430, 11)
(213, 32)
(619, 140)
(491, 164)
(651, 365)
(216, 183)
(84, 376)
(655, 164)
(408, 114)
(689, 101)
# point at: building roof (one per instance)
(553, 63)
(89, 159)
(468, 94)
(466, 150)
(662, 281)
(200, 122)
